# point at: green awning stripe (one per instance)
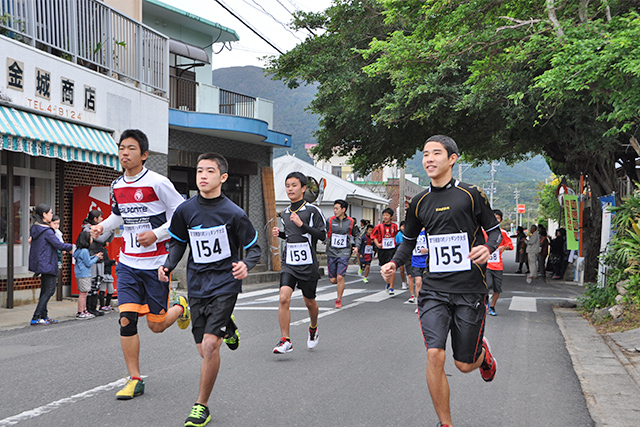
(38, 135)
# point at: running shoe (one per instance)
(388, 287)
(198, 417)
(312, 342)
(365, 280)
(106, 308)
(82, 316)
(391, 292)
(185, 318)
(232, 340)
(529, 279)
(132, 388)
(89, 315)
(411, 300)
(492, 311)
(338, 303)
(50, 320)
(443, 425)
(489, 364)
(284, 346)
(35, 322)
(359, 272)
(404, 285)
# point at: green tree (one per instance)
(490, 74)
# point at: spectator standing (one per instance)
(544, 252)
(43, 260)
(82, 271)
(521, 250)
(533, 249)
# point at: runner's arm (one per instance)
(252, 256)
(177, 249)
(111, 223)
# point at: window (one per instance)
(33, 183)
(336, 170)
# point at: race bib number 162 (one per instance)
(449, 253)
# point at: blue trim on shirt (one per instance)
(176, 237)
(252, 242)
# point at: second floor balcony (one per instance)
(92, 34)
(188, 95)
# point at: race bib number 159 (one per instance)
(449, 253)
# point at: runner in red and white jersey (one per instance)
(143, 202)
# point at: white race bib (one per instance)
(449, 253)
(368, 249)
(130, 236)
(339, 241)
(495, 256)
(299, 254)
(420, 244)
(209, 244)
(388, 243)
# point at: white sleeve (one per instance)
(171, 199)
(111, 223)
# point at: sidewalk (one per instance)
(609, 379)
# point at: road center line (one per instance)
(33, 413)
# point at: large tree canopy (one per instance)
(506, 79)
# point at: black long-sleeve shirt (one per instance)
(216, 230)
(453, 216)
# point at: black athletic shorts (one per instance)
(415, 271)
(308, 288)
(212, 315)
(461, 314)
(386, 255)
(494, 280)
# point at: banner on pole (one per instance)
(572, 221)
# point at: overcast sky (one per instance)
(268, 17)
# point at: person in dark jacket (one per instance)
(95, 297)
(43, 260)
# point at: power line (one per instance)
(264, 11)
(225, 7)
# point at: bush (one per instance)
(598, 297)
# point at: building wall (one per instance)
(259, 154)
(118, 105)
(27, 287)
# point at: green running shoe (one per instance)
(131, 389)
(232, 340)
(184, 320)
(198, 417)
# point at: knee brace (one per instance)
(131, 328)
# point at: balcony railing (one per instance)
(236, 104)
(92, 34)
(182, 93)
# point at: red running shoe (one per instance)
(489, 365)
(338, 303)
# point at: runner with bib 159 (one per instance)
(453, 295)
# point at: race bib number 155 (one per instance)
(449, 253)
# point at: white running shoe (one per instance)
(404, 285)
(312, 341)
(284, 346)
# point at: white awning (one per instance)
(188, 51)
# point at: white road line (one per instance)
(257, 293)
(254, 308)
(332, 295)
(523, 304)
(379, 296)
(326, 313)
(26, 415)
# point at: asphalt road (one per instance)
(368, 368)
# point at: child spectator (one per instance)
(82, 271)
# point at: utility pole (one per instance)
(401, 195)
(493, 173)
(518, 217)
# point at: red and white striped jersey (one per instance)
(145, 202)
